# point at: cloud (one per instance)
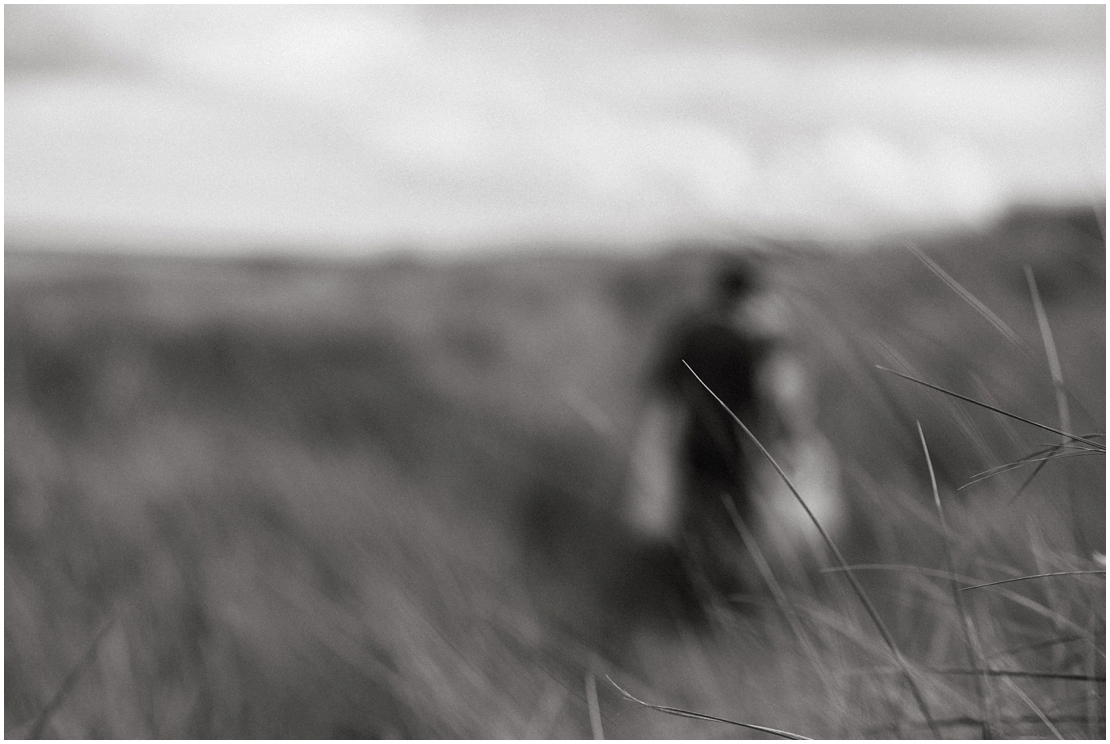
(454, 126)
(852, 182)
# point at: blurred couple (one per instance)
(696, 482)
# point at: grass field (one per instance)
(280, 498)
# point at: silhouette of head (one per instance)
(735, 280)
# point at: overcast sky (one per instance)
(357, 128)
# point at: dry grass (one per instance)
(285, 500)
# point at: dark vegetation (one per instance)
(308, 499)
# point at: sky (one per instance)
(354, 129)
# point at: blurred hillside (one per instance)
(296, 493)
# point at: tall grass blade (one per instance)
(702, 717)
(1035, 708)
(1050, 352)
(974, 650)
(595, 710)
(1053, 454)
(924, 571)
(1014, 597)
(1074, 437)
(986, 312)
(1045, 453)
(1006, 653)
(969, 298)
(1063, 676)
(1028, 481)
(1096, 706)
(888, 639)
(957, 413)
(68, 683)
(1035, 576)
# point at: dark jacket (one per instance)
(727, 361)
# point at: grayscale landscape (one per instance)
(282, 466)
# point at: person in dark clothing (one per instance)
(690, 457)
(727, 361)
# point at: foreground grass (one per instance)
(285, 500)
